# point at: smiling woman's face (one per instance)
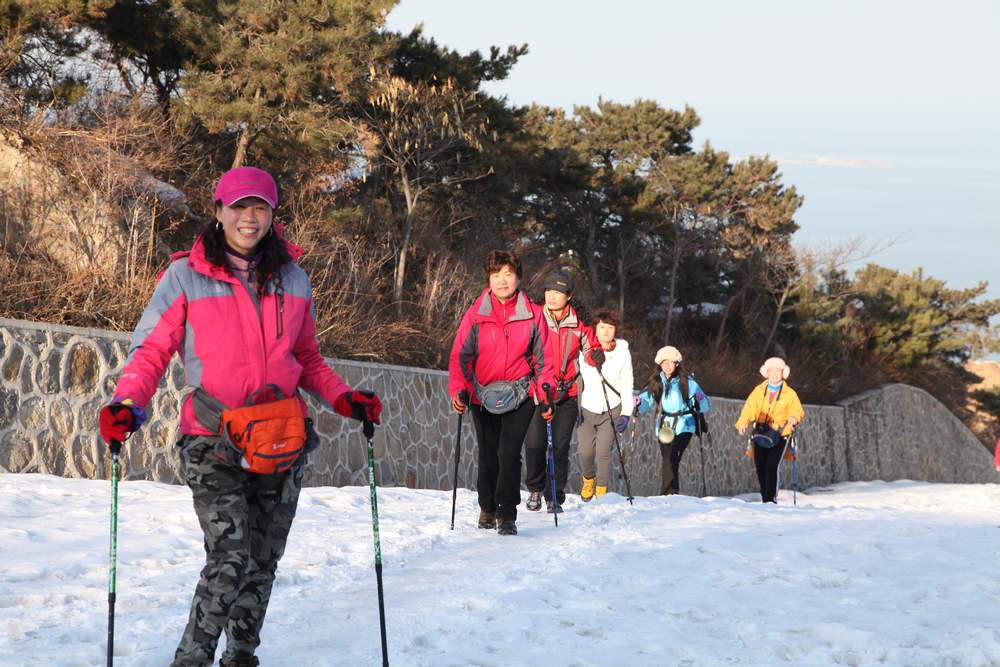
(504, 283)
(245, 223)
(668, 366)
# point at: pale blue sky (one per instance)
(884, 114)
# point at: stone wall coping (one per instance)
(64, 328)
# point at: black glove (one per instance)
(598, 357)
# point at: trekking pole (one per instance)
(464, 397)
(630, 450)
(795, 462)
(551, 453)
(369, 431)
(704, 481)
(618, 444)
(116, 447)
(701, 449)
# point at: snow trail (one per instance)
(871, 573)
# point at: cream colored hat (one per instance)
(776, 362)
(668, 353)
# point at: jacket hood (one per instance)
(522, 307)
(571, 321)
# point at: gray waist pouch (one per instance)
(502, 396)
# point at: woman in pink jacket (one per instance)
(497, 356)
(239, 311)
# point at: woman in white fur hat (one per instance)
(678, 399)
(774, 409)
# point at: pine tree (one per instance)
(276, 75)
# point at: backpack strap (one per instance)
(608, 385)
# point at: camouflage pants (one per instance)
(245, 519)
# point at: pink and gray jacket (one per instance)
(229, 348)
(500, 342)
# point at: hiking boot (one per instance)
(487, 520)
(601, 490)
(587, 490)
(549, 508)
(506, 527)
(534, 501)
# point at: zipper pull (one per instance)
(280, 307)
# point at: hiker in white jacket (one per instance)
(595, 435)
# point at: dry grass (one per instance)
(37, 288)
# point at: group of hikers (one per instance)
(530, 374)
(240, 313)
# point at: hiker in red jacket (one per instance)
(568, 337)
(239, 311)
(497, 359)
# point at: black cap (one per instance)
(559, 281)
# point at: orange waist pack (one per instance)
(262, 437)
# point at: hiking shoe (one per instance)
(601, 490)
(550, 509)
(487, 521)
(587, 490)
(534, 501)
(506, 527)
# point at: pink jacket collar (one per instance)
(198, 262)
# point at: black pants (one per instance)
(500, 439)
(767, 460)
(670, 480)
(536, 476)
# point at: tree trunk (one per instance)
(241, 147)
(243, 143)
(434, 279)
(777, 319)
(399, 282)
(717, 345)
(621, 282)
(679, 243)
(595, 285)
(672, 295)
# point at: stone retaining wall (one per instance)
(54, 379)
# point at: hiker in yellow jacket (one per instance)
(774, 409)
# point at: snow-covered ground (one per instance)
(858, 574)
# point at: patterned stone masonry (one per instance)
(54, 380)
